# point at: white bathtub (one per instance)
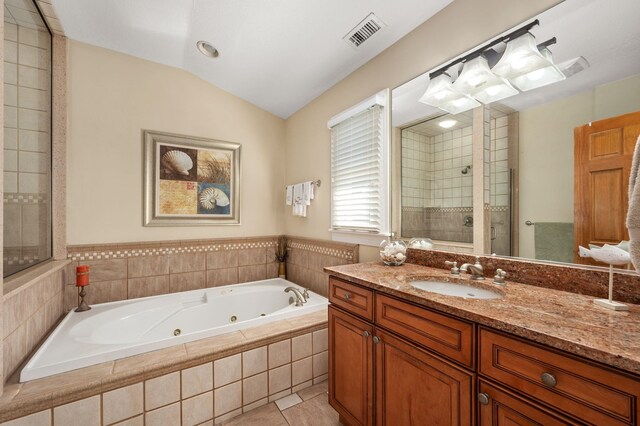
(116, 330)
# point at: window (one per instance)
(27, 137)
(360, 172)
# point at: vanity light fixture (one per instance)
(523, 64)
(447, 124)
(477, 80)
(527, 65)
(442, 94)
(207, 49)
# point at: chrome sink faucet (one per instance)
(300, 298)
(476, 270)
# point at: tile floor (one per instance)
(308, 407)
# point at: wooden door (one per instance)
(414, 387)
(497, 407)
(603, 152)
(350, 368)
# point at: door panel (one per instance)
(414, 387)
(603, 153)
(350, 367)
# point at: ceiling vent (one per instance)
(364, 30)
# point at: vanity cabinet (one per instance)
(392, 362)
(371, 368)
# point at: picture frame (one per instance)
(190, 181)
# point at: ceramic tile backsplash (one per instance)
(127, 271)
(307, 258)
(29, 312)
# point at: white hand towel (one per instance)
(308, 193)
(633, 215)
(299, 209)
(289, 195)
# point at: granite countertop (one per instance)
(563, 320)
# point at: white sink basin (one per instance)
(457, 290)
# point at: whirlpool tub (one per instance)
(116, 330)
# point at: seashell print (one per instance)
(212, 197)
(177, 162)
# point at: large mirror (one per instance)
(538, 173)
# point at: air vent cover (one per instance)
(364, 30)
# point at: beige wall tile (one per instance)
(197, 380)
(225, 276)
(14, 350)
(42, 418)
(186, 262)
(135, 421)
(197, 409)
(320, 341)
(187, 281)
(301, 371)
(10, 31)
(279, 379)
(223, 419)
(272, 270)
(301, 347)
(252, 273)
(106, 270)
(302, 386)
(36, 328)
(320, 364)
(255, 388)
(279, 353)
(254, 405)
(222, 259)
(122, 403)
(254, 361)
(148, 286)
(162, 390)
(254, 256)
(228, 398)
(320, 379)
(85, 412)
(146, 266)
(166, 416)
(281, 394)
(227, 370)
(106, 291)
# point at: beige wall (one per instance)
(111, 98)
(456, 29)
(546, 151)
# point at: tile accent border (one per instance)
(224, 375)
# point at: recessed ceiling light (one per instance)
(447, 123)
(207, 49)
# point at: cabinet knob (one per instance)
(347, 296)
(366, 333)
(549, 379)
(376, 339)
(483, 398)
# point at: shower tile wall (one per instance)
(27, 136)
(437, 196)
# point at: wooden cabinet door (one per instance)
(414, 387)
(603, 152)
(497, 407)
(350, 368)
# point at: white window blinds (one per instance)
(358, 173)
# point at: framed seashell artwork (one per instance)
(190, 180)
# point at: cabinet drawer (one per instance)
(582, 389)
(450, 337)
(352, 298)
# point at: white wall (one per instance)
(111, 98)
(459, 27)
(546, 151)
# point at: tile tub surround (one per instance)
(307, 258)
(565, 277)
(30, 311)
(562, 320)
(128, 271)
(210, 379)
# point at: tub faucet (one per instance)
(476, 271)
(300, 299)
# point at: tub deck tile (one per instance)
(215, 344)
